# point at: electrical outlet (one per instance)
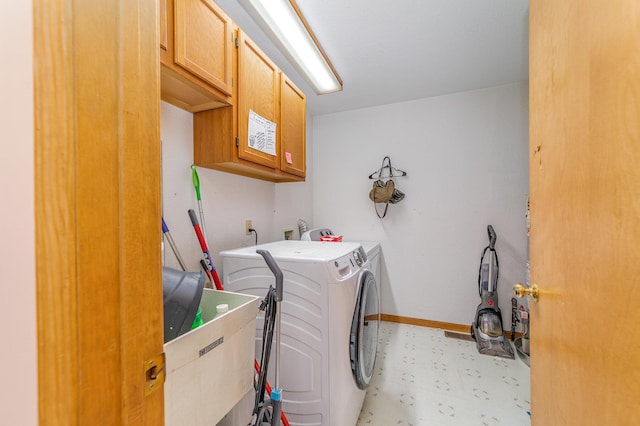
(248, 224)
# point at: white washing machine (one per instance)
(330, 319)
(372, 248)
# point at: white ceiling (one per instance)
(388, 52)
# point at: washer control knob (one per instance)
(358, 258)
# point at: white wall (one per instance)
(228, 200)
(466, 159)
(18, 359)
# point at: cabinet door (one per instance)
(203, 41)
(292, 128)
(257, 92)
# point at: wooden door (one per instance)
(97, 189)
(585, 211)
(292, 131)
(257, 92)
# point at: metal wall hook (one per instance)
(392, 171)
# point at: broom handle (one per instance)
(205, 249)
(196, 184)
(172, 244)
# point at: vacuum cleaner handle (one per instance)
(492, 237)
(271, 263)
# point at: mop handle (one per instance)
(196, 180)
(205, 249)
(172, 244)
(196, 184)
(205, 268)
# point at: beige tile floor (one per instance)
(422, 377)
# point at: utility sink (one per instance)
(210, 368)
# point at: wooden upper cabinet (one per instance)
(203, 41)
(292, 128)
(196, 45)
(221, 135)
(258, 79)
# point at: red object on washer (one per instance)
(331, 238)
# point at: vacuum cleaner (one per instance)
(487, 328)
(267, 410)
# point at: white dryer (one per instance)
(330, 319)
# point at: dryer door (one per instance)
(364, 330)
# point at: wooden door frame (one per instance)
(97, 202)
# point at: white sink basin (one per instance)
(210, 368)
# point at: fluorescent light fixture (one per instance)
(290, 30)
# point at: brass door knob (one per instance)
(520, 291)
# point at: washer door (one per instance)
(364, 330)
